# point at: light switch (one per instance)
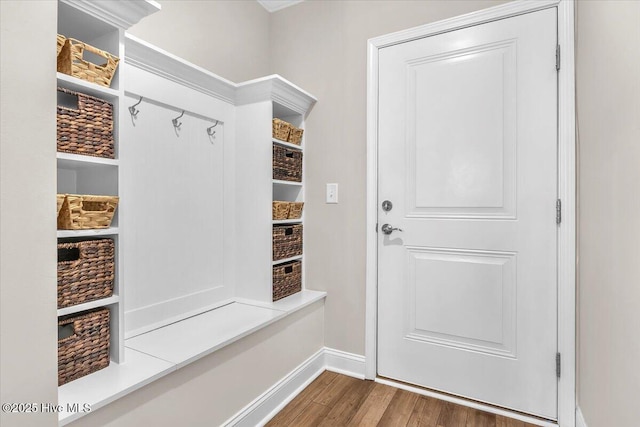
(332, 193)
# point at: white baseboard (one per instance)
(267, 405)
(580, 422)
(344, 363)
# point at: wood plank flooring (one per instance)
(334, 400)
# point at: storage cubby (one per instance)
(86, 174)
(288, 271)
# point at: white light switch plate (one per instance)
(332, 193)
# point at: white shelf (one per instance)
(112, 231)
(190, 339)
(282, 261)
(287, 221)
(286, 144)
(111, 383)
(79, 85)
(89, 305)
(76, 161)
(291, 183)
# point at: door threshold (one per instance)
(510, 413)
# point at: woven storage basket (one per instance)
(287, 241)
(71, 61)
(87, 129)
(295, 136)
(295, 210)
(280, 210)
(60, 42)
(83, 344)
(287, 164)
(280, 129)
(86, 271)
(59, 202)
(81, 212)
(287, 279)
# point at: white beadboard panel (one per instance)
(190, 339)
(111, 383)
(253, 186)
(173, 181)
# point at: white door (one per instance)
(468, 159)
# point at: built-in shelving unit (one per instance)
(79, 174)
(101, 25)
(244, 235)
(290, 191)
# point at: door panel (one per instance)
(467, 154)
(473, 173)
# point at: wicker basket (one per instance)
(60, 42)
(287, 241)
(280, 129)
(81, 212)
(87, 129)
(287, 279)
(295, 210)
(280, 210)
(71, 62)
(295, 136)
(59, 202)
(287, 164)
(85, 271)
(83, 344)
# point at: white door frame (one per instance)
(566, 182)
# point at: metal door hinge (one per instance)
(557, 57)
(558, 211)
(558, 364)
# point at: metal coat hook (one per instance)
(176, 123)
(133, 110)
(210, 130)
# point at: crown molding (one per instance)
(276, 5)
(119, 13)
(145, 56)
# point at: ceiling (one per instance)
(275, 5)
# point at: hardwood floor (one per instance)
(334, 400)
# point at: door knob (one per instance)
(387, 229)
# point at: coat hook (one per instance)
(176, 123)
(133, 110)
(210, 130)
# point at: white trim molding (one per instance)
(144, 55)
(269, 403)
(121, 14)
(345, 363)
(580, 422)
(566, 182)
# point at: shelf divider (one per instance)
(89, 305)
(111, 231)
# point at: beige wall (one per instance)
(322, 46)
(213, 389)
(608, 92)
(28, 334)
(229, 38)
